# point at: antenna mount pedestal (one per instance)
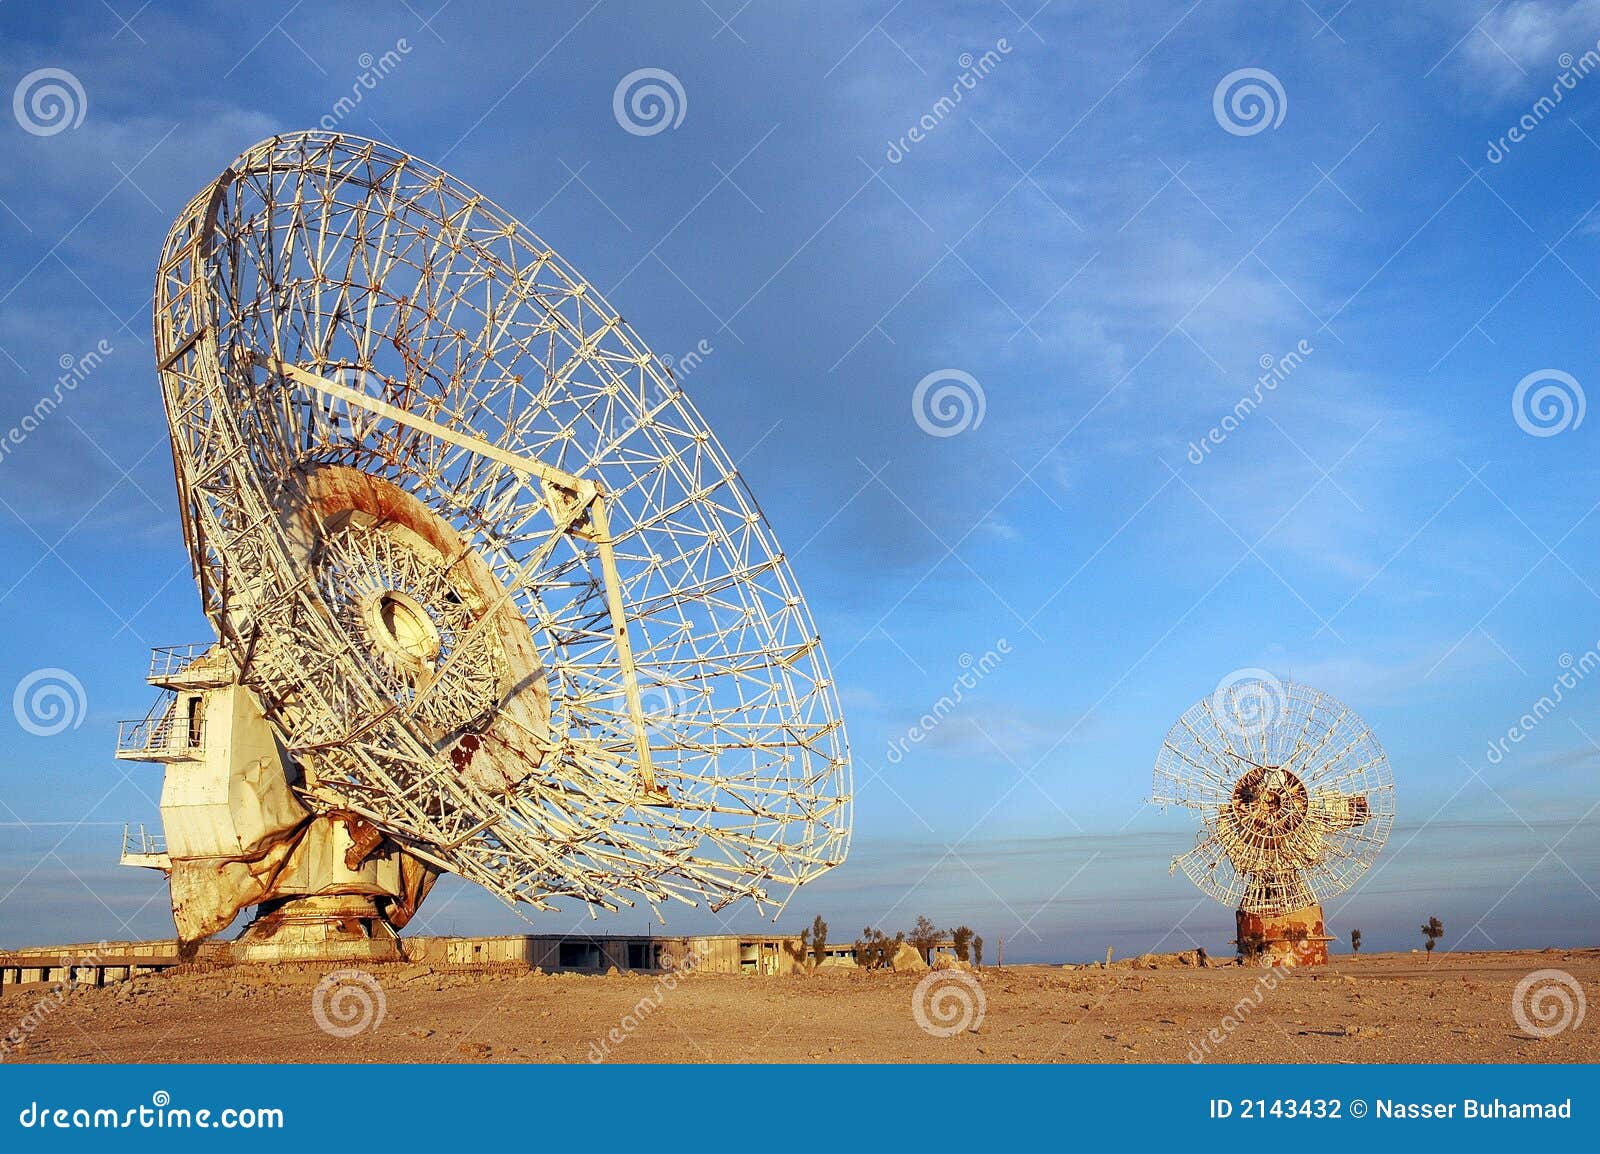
(1295, 938)
(324, 928)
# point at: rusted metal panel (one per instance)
(1296, 938)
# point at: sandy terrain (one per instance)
(1377, 1008)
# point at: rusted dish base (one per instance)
(339, 928)
(1297, 938)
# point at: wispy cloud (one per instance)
(1523, 39)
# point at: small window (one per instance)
(580, 956)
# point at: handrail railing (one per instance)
(142, 844)
(162, 731)
(168, 660)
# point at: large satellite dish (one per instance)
(496, 594)
(1294, 797)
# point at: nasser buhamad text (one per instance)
(1470, 1108)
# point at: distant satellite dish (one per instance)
(1294, 797)
(489, 596)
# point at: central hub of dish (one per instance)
(400, 626)
(413, 616)
(1270, 802)
(426, 619)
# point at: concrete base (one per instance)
(336, 928)
(1297, 938)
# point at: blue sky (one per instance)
(1091, 242)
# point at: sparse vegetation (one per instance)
(819, 939)
(924, 936)
(963, 942)
(875, 949)
(977, 950)
(1432, 931)
(1355, 941)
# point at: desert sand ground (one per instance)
(1375, 1008)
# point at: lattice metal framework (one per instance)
(1292, 790)
(495, 582)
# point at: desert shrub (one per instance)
(963, 942)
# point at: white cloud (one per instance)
(1519, 39)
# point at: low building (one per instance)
(597, 953)
(768, 954)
